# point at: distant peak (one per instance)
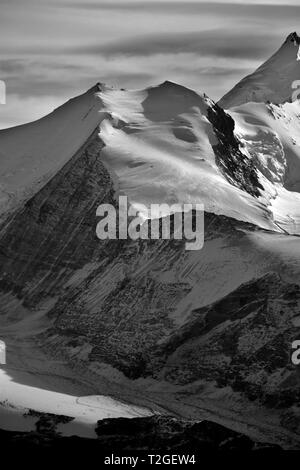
(174, 87)
(169, 84)
(96, 88)
(293, 37)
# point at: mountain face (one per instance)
(272, 81)
(201, 334)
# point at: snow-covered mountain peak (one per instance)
(272, 81)
(162, 144)
(294, 38)
(288, 50)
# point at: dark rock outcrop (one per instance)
(54, 233)
(142, 436)
(239, 170)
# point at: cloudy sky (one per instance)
(51, 50)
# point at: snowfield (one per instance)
(161, 149)
(270, 134)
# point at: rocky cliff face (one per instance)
(53, 234)
(272, 81)
(237, 167)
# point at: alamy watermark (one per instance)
(2, 92)
(295, 358)
(2, 352)
(159, 221)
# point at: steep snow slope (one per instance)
(270, 133)
(272, 81)
(32, 153)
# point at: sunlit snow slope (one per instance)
(32, 153)
(271, 135)
(272, 81)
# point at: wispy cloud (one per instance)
(216, 43)
(51, 50)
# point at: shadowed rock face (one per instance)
(242, 341)
(54, 233)
(239, 170)
(164, 433)
(46, 424)
(271, 81)
(138, 436)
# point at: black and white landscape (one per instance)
(193, 347)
